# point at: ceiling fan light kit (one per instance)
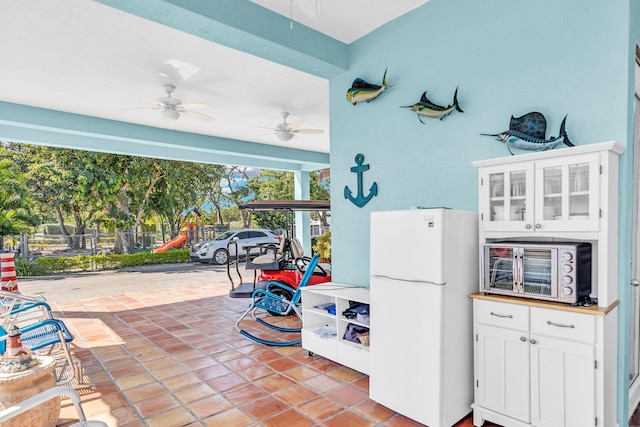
(286, 131)
(171, 108)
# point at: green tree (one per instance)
(15, 202)
(72, 183)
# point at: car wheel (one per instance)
(220, 257)
(281, 293)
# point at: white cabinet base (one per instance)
(336, 348)
(480, 415)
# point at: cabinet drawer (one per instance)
(325, 347)
(563, 324)
(504, 315)
(354, 356)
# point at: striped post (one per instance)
(8, 278)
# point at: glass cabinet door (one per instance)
(569, 192)
(507, 196)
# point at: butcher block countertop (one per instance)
(594, 309)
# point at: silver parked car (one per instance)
(215, 251)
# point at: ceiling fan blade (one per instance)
(308, 131)
(199, 116)
(264, 127)
(196, 107)
(153, 101)
(294, 125)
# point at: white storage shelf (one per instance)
(336, 348)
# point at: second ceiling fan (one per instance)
(285, 131)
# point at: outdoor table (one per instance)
(18, 386)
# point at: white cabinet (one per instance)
(539, 364)
(316, 315)
(543, 193)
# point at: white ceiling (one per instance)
(83, 57)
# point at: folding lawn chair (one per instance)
(272, 300)
(14, 411)
(50, 337)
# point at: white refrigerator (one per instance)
(424, 266)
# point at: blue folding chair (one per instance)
(273, 299)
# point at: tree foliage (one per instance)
(16, 215)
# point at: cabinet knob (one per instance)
(523, 339)
(538, 226)
(635, 282)
(528, 226)
(532, 341)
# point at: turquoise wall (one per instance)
(507, 58)
(542, 55)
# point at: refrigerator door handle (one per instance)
(426, 282)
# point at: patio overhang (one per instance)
(65, 130)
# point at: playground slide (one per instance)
(176, 242)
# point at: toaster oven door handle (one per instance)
(518, 269)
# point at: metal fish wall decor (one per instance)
(363, 91)
(528, 132)
(427, 108)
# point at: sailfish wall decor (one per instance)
(528, 133)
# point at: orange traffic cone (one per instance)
(8, 278)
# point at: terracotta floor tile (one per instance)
(226, 382)
(231, 418)
(210, 406)
(175, 417)
(177, 360)
(301, 373)
(348, 395)
(322, 383)
(156, 405)
(181, 381)
(145, 391)
(290, 418)
(199, 363)
(319, 408)
(170, 371)
(245, 393)
(264, 407)
(257, 372)
(273, 383)
(402, 421)
(283, 364)
(212, 372)
(194, 393)
(347, 418)
(295, 395)
(135, 381)
(374, 410)
(345, 374)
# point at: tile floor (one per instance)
(174, 358)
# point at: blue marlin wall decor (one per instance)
(528, 132)
(360, 200)
(429, 109)
(363, 91)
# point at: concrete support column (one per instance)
(303, 220)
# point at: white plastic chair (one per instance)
(38, 399)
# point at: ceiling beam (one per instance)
(247, 27)
(20, 123)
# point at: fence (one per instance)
(38, 245)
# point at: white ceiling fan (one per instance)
(285, 131)
(171, 108)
